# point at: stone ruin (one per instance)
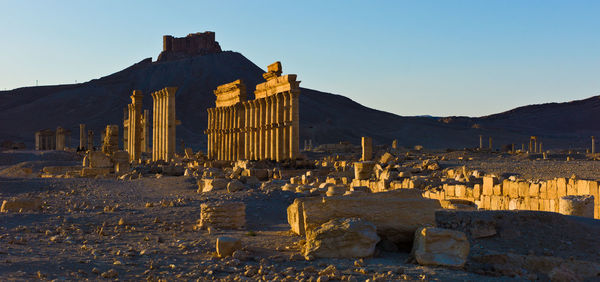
(136, 127)
(47, 139)
(200, 43)
(266, 128)
(163, 124)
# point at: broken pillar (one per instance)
(367, 148)
(82, 139)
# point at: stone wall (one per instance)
(200, 43)
(519, 194)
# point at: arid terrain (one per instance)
(144, 228)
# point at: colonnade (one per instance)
(261, 129)
(133, 128)
(266, 128)
(163, 124)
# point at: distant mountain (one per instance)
(325, 117)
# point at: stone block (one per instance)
(477, 191)
(98, 159)
(450, 190)
(386, 158)
(550, 192)
(583, 187)
(561, 187)
(497, 190)
(21, 204)
(571, 187)
(210, 184)
(458, 204)
(460, 191)
(582, 205)
(227, 245)
(222, 215)
(496, 202)
(93, 172)
(234, 186)
(363, 170)
(342, 238)
(488, 184)
(396, 214)
(523, 188)
(513, 190)
(534, 190)
(438, 246)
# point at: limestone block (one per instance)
(342, 238)
(397, 214)
(98, 159)
(561, 187)
(234, 185)
(523, 188)
(458, 204)
(449, 189)
(438, 246)
(549, 190)
(477, 191)
(513, 190)
(386, 158)
(534, 190)
(93, 172)
(496, 202)
(583, 187)
(295, 215)
(222, 215)
(572, 187)
(210, 184)
(460, 191)
(488, 184)
(57, 170)
(120, 157)
(21, 204)
(533, 203)
(497, 190)
(227, 245)
(335, 190)
(363, 170)
(582, 205)
(486, 202)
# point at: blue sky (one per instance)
(407, 57)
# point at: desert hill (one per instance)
(325, 117)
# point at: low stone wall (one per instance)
(519, 194)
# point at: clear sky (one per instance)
(407, 57)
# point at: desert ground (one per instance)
(143, 225)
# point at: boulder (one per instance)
(227, 245)
(342, 238)
(438, 246)
(93, 172)
(21, 204)
(396, 214)
(222, 215)
(336, 190)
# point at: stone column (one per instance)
(90, 140)
(286, 125)
(541, 151)
(278, 127)
(246, 127)
(82, 141)
(593, 145)
(234, 134)
(260, 128)
(295, 117)
(530, 145)
(146, 133)
(268, 121)
(272, 127)
(229, 111)
(480, 142)
(491, 147)
(208, 134)
(154, 108)
(367, 148)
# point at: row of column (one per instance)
(260, 129)
(134, 126)
(163, 124)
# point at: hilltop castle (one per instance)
(200, 43)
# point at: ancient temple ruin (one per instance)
(163, 124)
(135, 127)
(266, 128)
(45, 140)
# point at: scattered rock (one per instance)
(438, 246)
(342, 238)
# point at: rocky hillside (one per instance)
(325, 117)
